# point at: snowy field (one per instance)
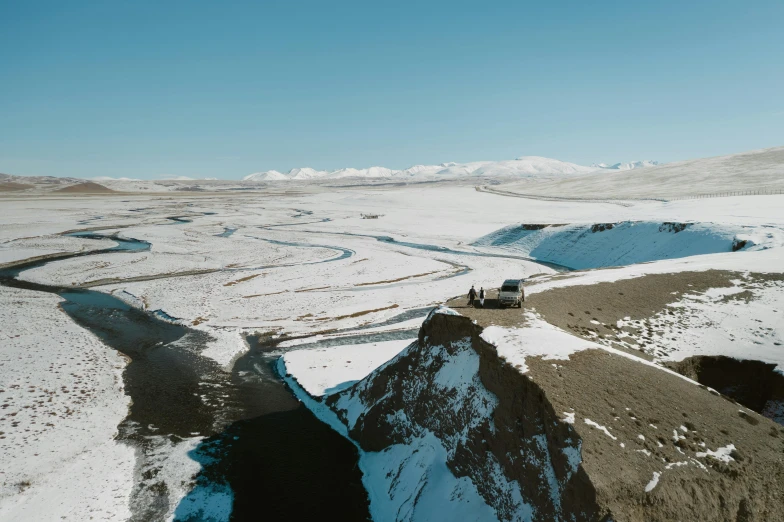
(62, 398)
(305, 263)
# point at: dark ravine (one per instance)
(526, 433)
(279, 458)
(754, 384)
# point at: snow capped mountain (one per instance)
(631, 165)
(530, 166)
(109, 178)
(420, 169)
(372, 172)
(306, 173)
(526, 167)
(270, 175)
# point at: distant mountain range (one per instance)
(626, 166)
(534, 168)
(523, 167)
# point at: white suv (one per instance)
(511, 293)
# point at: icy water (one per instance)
(376, 337)
(178, 220)
(445, 250)
(281, 459)
(227, 232)
(260, 444)
(345, 253)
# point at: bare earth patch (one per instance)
(241, 280)
(88, 187)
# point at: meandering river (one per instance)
(261, 447)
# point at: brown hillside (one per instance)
(11, 186)
(84, 188)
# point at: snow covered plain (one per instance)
(62, 398)
(305, 263)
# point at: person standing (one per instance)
(471, 296)
(482, 297)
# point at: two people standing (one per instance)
(472, 295)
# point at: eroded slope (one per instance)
(592, 435)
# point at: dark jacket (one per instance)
(481, 294)
(471, 293)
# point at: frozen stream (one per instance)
(260, 445)
(442, 249)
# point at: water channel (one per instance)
(260, 444)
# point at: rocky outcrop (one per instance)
(495, 424)
(600, 436)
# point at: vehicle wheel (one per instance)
(501, 306)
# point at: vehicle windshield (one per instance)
(509, 288)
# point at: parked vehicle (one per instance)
(511, 293)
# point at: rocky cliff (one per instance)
(451, 428)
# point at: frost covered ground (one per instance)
(305, 263)
(61, 399)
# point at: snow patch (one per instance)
(323, 371)
(537, 339)
(722, 454)
(601, 428)
(654, 481)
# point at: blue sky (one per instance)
(223, 89)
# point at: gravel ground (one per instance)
(648, 434)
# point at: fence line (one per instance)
(620, 200)
(760, 192)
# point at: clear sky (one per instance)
(223, 89)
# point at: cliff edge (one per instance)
(536, 424)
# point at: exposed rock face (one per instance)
(669, 226)
(601, 227)
(496, 426)
(597, 437)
